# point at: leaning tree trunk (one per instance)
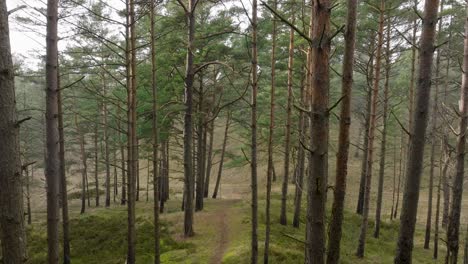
(371, 135)
(317, 181)
(12, 233)
(335, 230)
(383, 145)
(418, 133)
(52, 134)
(453, 230)
(287, 148)
(223, 151)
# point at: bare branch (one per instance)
(16, 9)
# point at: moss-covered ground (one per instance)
(222, 235)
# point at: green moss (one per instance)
(101, 237)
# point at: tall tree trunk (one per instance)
(299, 181)
(223, 151)
(106, 140)
(445, 179)
(367, 116)
(12, 233)
(188, 128)
(253, 160)
(84, 169)
(443, 171)
(63, 178)
(52, 134)
(155, 139)
(335, 230)
(209, 157)
(418, 133)
(131, 137)
(453, 230)
(427, 236)
(284, 189)
(371, 135)
(29, 180)
(317, 181)
(115, 185)
(394, 176)
(400, 175)
(383, 145)
(123, 192)
(270, 142)
(201, 146)
(96, 163)
(465, 250)
(137, 160)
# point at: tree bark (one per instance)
(253, 161)
(132, 151)
(383, 145)
(123, 192)
(188, 127)
(443, 171)
(370, 78)
(453, 230)
(394, 176)
(371, 135)
(427, 236)
(335, 229)
(320, 84)
(299, 182)
(209, 157)
(84, 169)
(223, 151)
(270, 144)
(201, 148)
(52, 133)
(284, 189)
(418, 133)
(106, 140)
(12, 233)
(400, 174)
(445, 179)
(155, 139)
(29, 180)
(96, 163)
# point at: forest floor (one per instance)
(223, 228)
(222, 235)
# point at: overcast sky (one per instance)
(29, 43)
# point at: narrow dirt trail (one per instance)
(223, 241)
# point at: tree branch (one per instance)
(284, 20)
